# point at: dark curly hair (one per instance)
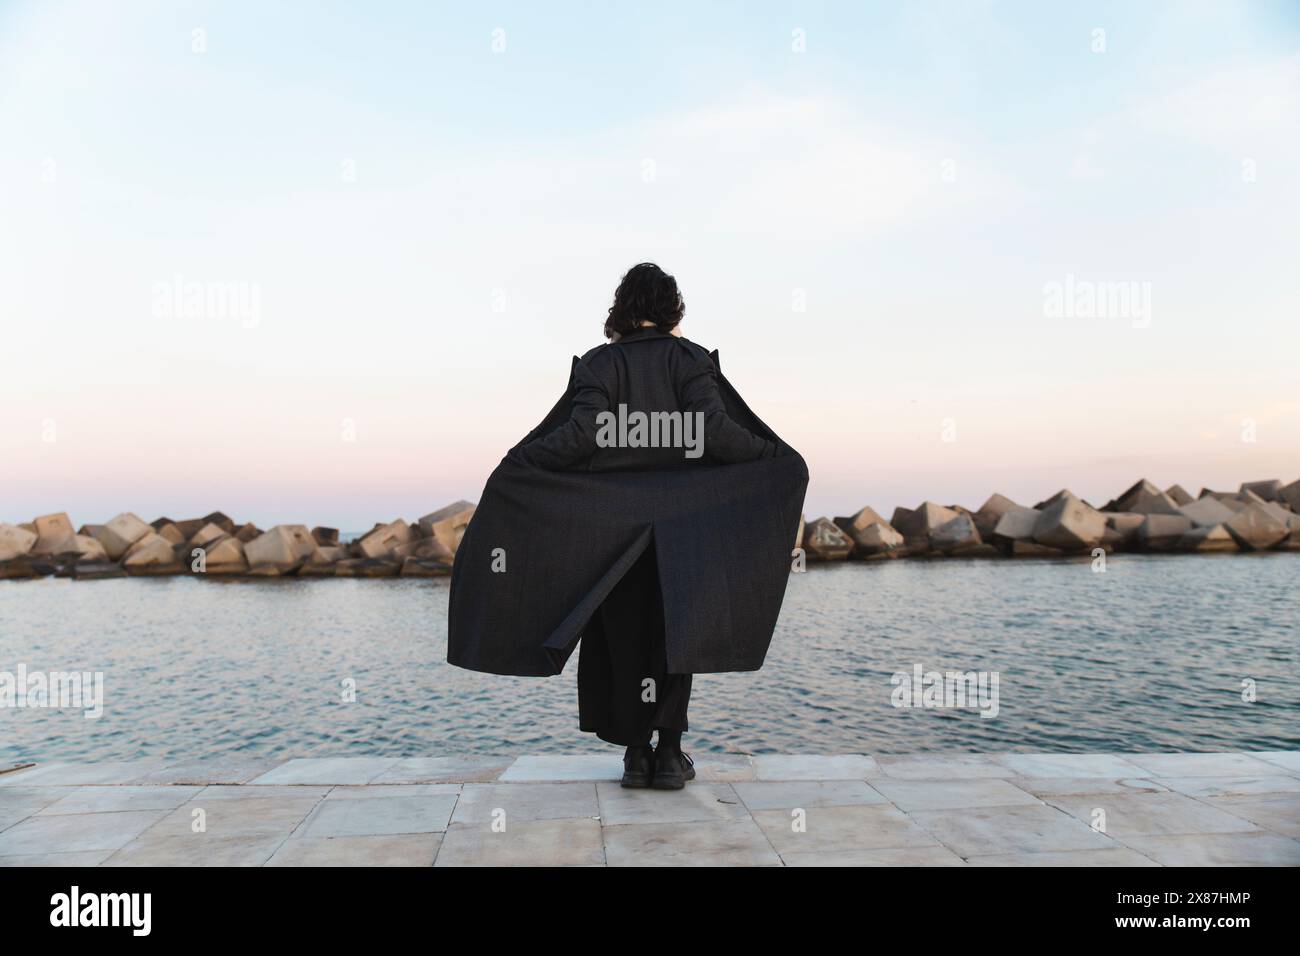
(645, 293)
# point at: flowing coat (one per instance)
(563, 517)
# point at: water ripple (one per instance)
(1151, 655)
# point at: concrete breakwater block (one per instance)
(1070, 524)
(53, 534)
(1143, 498)
(448, 524)
(1161, 532)
(957, 534)
(1017, 524)
(280, 550)
(1206, 540)
(1207, 512)
(225, 556)
(917, 525)
(384, 539)
(15, 541)
(824, 541)
(991, 512)
(152, 554)
(1256, 529)
(121, 533)
(870, 533)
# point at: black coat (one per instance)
(568, 517)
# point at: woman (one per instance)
(653, 515)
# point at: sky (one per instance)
(325, 262)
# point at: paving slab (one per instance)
(699, 802)
(28, 776)
(912, 795)
(942, 767)
(326, 770)
(1110, 766)
(407, 849)
(444, 770)
(1260, 848)
(564, 767)
(75, 832)
(108, 773)
(211, 770)
(22, 802)
(539, 843)
(1113, 856)
(1232, 786)
(112, 799)
(198, 849)
(1151, 814)
(814, 767)
(1043, 787)
(221, 791)
(1202, 765)
(10, 817)
(376, 816)
(787, 795)
(1277, 812)
(482, 804)
(83, 858)
(391, 790)
(912, 856)
(1288, 760)
(255, 816)
(735, 842)
(827, 829)
(1022, 829)
(723, 768)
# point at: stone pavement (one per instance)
(1233, 809)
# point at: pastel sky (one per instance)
(424, 209)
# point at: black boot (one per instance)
(672, 768)
(638, 766)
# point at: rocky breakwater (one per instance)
(218, 546)
(1259, 516)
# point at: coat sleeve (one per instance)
(724, 439)
(574, 440)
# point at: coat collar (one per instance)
(647, 332)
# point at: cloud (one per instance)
(760, 167)
(1237, 108)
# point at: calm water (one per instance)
(1148, 656)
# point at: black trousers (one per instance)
(624, 688)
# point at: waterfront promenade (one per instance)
(1234, 809)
